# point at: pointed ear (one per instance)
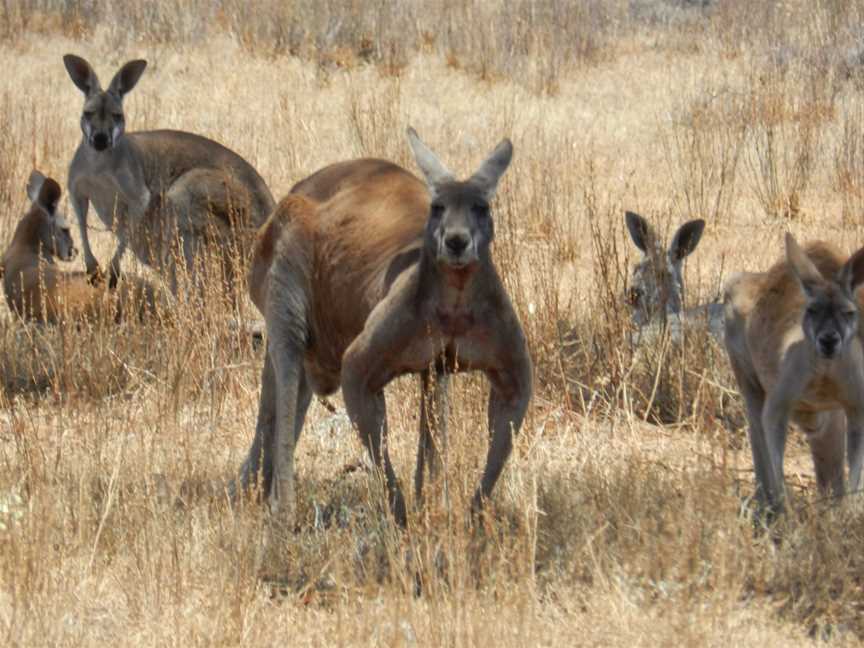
(34, 184)
(82, 74)
(490, 172)
(49, 195)
(852, 273)
(435, 172)
(127, 77)
(803, 268)
(686, 239)
(640, 231)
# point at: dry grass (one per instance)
(622, 516)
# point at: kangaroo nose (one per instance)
(828, 343)
(100, 141)
(456, 243)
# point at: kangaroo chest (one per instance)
(454, 339)
(146, 234)
(107, 202)
(823, 395)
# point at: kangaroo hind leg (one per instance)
(213, 216)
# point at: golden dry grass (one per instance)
(607, 529)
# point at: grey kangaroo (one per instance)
(365, 273)
(165, 193)
(656, 293)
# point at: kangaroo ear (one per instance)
(852, 273)
(82, 74)
(490, 172)
(435, 172)
(640, 231)
(803, 268)
(126, 77)
(49, 195)
(34, 184)
(686, 239)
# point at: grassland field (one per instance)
(623, 516)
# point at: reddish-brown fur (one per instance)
(366, 273)
(349, 244)
(796, 350)
(38, 290)
(773, 303)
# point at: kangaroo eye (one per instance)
(436, 210)
(118, 116)
(812, 310)
(89, 114)
(480, 210)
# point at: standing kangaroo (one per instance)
(386, 276)
(794, 338)
(656, 293)
(160, 191)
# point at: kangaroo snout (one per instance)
(829, 343)
(457, 242)
(101, 141)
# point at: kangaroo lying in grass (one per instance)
(36, 289)
(656, 293)
(386, 276)
(794, 339)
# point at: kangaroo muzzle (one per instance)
(828, 344)
(100, 141)
(457, 248)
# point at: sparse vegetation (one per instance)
(622, 517)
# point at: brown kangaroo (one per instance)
(384, 276)
(794, 338)
(37, 290)
(161, 191)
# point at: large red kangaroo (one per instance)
(365, 273)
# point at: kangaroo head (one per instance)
(831, 312)
(657, 285)
(102, 120)
(55, 238)
(460, 228)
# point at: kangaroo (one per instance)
(656, 293)
(387, 275)
(160, 191)
(794, 339)
(37, 290)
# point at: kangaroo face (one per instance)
(460, 230)
(102, 120)
(55, 237)
(830, 319)
(655, 288)
(657, 284)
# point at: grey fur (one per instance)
(160, 191)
